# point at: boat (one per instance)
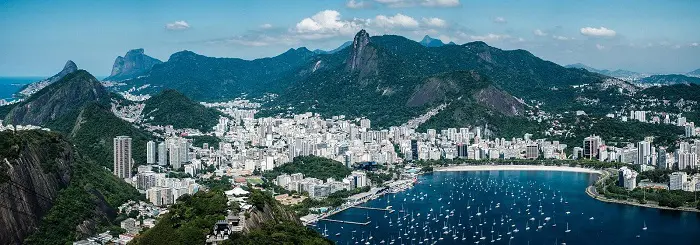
(567, 228)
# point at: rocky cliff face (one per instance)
(34, 87)
(271, 212)
(34, 166)
(135, 63)
(363, 56)
(61, 98)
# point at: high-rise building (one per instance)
(414, 150)
(462, 151)
(643, 152)
(677, 180)
(122, 157)
(162, 154)
(532, 152)
(590, 147)
(365, 123)
(151, 152)
(661, 159)
(627, 178)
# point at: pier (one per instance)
(371, 208)
(346, 222)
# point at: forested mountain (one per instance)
(431, 42)
(390, 79)
(695, 73)
(206, 78)
(61, 98)
(134, 64)
(171, 107)
(34, 87)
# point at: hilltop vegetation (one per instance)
(312, 167)
(171, 107)
(188, 221)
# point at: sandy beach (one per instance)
(516, 168)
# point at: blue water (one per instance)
(11, 85)
(559, 192)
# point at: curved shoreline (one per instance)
(593, 193)
(459, 168)
(589, 190)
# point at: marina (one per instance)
(504, 207)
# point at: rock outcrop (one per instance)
(34, 166)
(34, 87)
(135, 63)
(363, 57)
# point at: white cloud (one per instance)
(440, 3)
(435, 22)
(177, 25)
(396, 21)
(489, 37)
(414, 3)
(353, 4)
(500, 20)
(266, 26)
(539, 32)
(598, 32)
(561, 38)
(694, 44)
(599, 47)
(327, 23)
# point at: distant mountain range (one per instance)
(619, 73)
(342, 46)
(695, 73)
(669, 79)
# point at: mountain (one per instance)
(60, 98)
(51, 194)
(669, 79)
(37, 168)
(623, 74)
(451, 43)
(266, 222)
(342, 46)
(431, 42)
(390, 79)
(695, 73)
(171, 107)
(206, 78)
(134, 64)
(34, 87)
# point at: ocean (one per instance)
(11, 85)
(486, 207)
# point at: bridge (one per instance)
(346, 222)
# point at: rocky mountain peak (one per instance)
(359, 50)
(135, 63)
(70, 67)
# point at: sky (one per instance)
(38, 37)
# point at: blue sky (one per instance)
(37, 37)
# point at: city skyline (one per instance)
(604, 36)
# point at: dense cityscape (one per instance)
(421, 122)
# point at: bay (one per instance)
(496, 195)
(11, 85)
